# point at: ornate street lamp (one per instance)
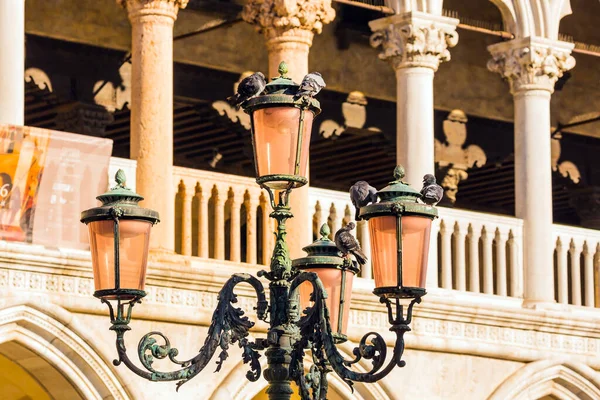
(309, 298)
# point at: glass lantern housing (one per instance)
(336, 274)
(281, 127)
(400, 230)
(119, 233)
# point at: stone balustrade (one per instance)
(474, 252)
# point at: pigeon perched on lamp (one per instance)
(361, 194)
(311, 85)
(432, 192)
(347, 244)
(248, 88)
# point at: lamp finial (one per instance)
(399, 173)
(120, 178)
(283, 69)
(325, 231)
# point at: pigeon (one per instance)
(361, 194)
(248, 88)
(432, 192)
(311, 85)
(346, 243)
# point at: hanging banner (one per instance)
(46, 178)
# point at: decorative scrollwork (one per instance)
(317, 336)
(229, 326)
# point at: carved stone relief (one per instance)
(453, 157)
(225, 109)
(354, 110)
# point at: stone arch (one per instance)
(50, 337)
(235, 386)
(550, 379)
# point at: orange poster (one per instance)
(46, 178)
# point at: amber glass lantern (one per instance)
(281, 126)
(400, 230)
(119, 237)
(336, 274)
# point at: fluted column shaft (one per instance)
(152, 109)
(532, 66)
(12, 62)
(415, 44)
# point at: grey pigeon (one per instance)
(361, 194)
(311, 85)
(248, 88)
(346, 243)
(432, 192)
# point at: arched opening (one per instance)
(550, 380)
(40, 355)
(26, 375)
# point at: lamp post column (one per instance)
(12, 62)
(152, 109)
(532, 66)
(289, 28)
(414, 43)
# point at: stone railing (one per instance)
(577, 266)
(225, 217)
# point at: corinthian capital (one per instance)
(531, 63)
(153, 8)
(275, 18)
(414, 39)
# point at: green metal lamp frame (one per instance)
(291, 333)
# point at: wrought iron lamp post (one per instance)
(281, 126)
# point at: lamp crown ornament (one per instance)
(283, 70)
(309, 298)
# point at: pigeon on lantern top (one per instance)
(248, 88)
(347, 244)
(361, 194)
(432, 192)
(311, 85)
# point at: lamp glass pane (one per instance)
(276, 141)
(332, 281)
(416, 233)
(134, 237)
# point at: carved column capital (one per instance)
(294, 20)
(414, 39)
(531, 63)
(152, 8)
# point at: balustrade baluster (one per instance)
(186, 218)
(365, 244)
(446, 232)
(562, 253)
(474, 234)
(432, 262)
(234, 231)
(575, 272)
(588, 268)
(251, 204)
(516, 272)
(203, 232)
(459, 249)
(501, 276)
(488, 263)
(219, 243)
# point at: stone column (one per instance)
(415, 43)
(12, 62)
(532, 66)
(288, 28)
(152, 110)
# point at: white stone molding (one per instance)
(427, 6)
(566, 168)
(414, 39)
(565, 380)
(275, 18)
(532, 63)
(38, 77)
(63, 348)
(524, 18)
(225, 109)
